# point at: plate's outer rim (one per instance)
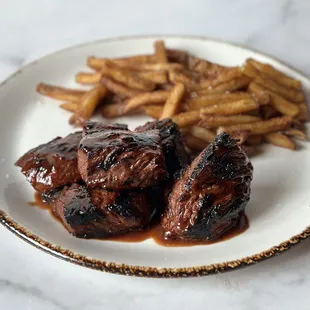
(144, 271)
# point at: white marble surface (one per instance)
(33, 280)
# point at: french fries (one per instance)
(160, 52)
(255, 103)
(214, 121)
(261, 127)
(279, 139)
(60, 93)
(172, 104)
(231, 108)
(159, 96)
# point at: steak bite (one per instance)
(53, 164)
(92, 127)
(175, 155)
(101, 213)
(119, 159)
(208, 198)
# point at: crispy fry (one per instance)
(296, 133)
(214, 121)
(303, 112)
(178, 56)
(231, 108)
(154, 111)
(261, 127)
(279, 139)
(118, 88)
(88, 104)
(259, 93)
(187, 118)
(229, 86)
(288, 93)
(126, 78)
(97, 62)
(204, 67)
(159, 96)
(202, 133)
(70, 106)
(275, 74)
(177, 76)
(268, 112)
(254, 140)
(60, 93)
(194, 143)
(240, 136)
(157, 77)
(88, 77)
(112, 110)
(172, 103)
(212, 99)
(160, 52)
(279, 103)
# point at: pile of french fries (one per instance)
(254, 103)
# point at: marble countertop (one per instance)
(33, 280)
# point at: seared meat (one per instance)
(53, 164)
(101, 213)
(175, 155)
(92, 127)
(208, 199)
(119, 159)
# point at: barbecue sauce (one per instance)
(155, 231)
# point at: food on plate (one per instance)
(208, 198)
(90, 213)
(118, 159)
(171, 83)
(53, 164)
(108, 180)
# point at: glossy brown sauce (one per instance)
(155, 231)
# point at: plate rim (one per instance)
(146, 271)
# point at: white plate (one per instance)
(279, 210)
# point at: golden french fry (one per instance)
(60, 93)
(194, 143)
(261, 127)
(70, 106)
(112, 110)
(303, 112)
(88, 77)
(223, 77)
(97, 62)
(187, 118)
(275, 74)
(202, 133)
(172, 103)
(126, 78)
(279, 139)
(88, 104)
(160, 52)
(212, 99)
(176, 76)
(288, 93)
(214, 121)
(154, 111)
(254, 140)
(259, 93)
(159, 96)
(204, 67)
(231, 108)
(279, 103)
(157, 77)
(240, 136)
(296, 133)
(229, 86)
(118, 88)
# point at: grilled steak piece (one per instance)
(208, 198)
(101, 213)
(53, 164)
(119, 159)
(92, 127)
(175, 155)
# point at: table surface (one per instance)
(33, 280)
